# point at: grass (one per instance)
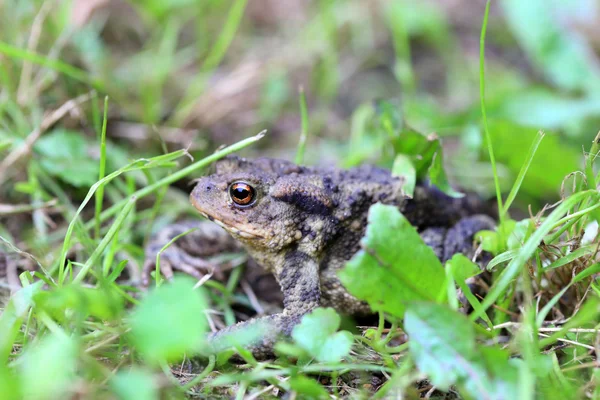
(87, 183)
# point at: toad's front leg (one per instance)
(189, 252)
(299, 281)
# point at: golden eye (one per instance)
(241, 193)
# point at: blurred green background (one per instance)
(199, 74)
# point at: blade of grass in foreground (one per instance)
(105, 241)
(138, 165)
(523, 171)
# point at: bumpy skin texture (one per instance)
(304, 223)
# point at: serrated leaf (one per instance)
(317, 334)
(169, 322)
(394, 266)
(442, 344)
(47, 370)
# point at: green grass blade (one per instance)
(63, 68)
(93, 260)
(589, 162)
(515, 189)
(483, 109)
(145, 191)
(102, 169)
(304, 131)
(528, 249)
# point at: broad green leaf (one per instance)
(442, 344)
(403, 167)
(317, 334)
(169, 322)
(419, 147)
(462, 268)
(47, 369)
(394, 266)
(134, 384)
(64, 154)
(437, 175)
(308, 388)
(553, 159)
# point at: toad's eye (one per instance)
(241, 193)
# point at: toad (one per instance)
(302, 224)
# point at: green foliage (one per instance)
(8, 384)
(65, 154)
(442, 344)
(545, 174)
(317, 334)
(394, 266)
(169, 322)
(404, 168)
(562, 55)
(309, 388)
(47, 370)
(102, 302)
(134, 384)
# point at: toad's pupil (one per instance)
(241, 193)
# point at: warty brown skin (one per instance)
(303, 224)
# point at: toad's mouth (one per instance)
(244, 233)
(230, 226)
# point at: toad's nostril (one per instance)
(209, 187)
